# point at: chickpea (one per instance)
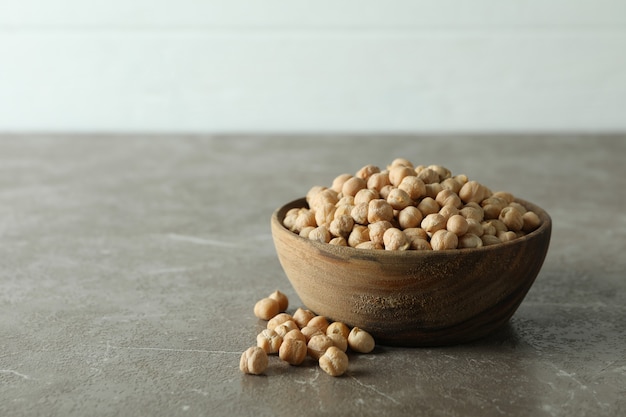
(378, 181)
(341, 226)
(359, 234)
(283, 301)
(473, 191)
(269, 341)
(359, 213)
(398, 172)
(461, 179)
(321, 234)
(416, 232)
(400, 162)
(451, 184)
(443, 239)
(324, 214)
(338, 327)
(318, 344)
(410, 217)
(339, 341)
(277, 320)
(489, 240)
(253, 361)
(326, 196)
(442, 172)
(310, 331)
(339, 181)
(320, 322)
(284, 328)
(469, 240)
(365, 196)
(448, 198)
(474, 227)
(413, 186)
(531, 221)
(433, 189)
(293, 351)
(398, 199)
(334, 361)
(417, 243)
(511, 218)
(266, 308)
(492, 206)
(369, 245)
(295, 334)
(428, 206)
(433, 222)
(338, 241)
(305, 218)
(353, 185)
(302, 317)
(377, 231)
(305, 232)
(472, 211)
(384, 192)
(448, 211)
(395, 239)
(518, 207)
(366, 172)
(428, 175)
(378, 210)
(507, 236)
(457, 225)
(313, 191)
(508, 197)
(343, 210)
(360, 341)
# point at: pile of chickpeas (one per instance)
(407, 207)
(304, 334)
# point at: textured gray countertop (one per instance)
(130, 266)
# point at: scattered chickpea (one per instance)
(318, 344)
(283, 300)
(320, 322)
(266, 308)
(295, 334)
(310, 331)
(338, 327)
(302, 317)
(360, 341)
(284, 328)
(293, 351)
(339, 341)
(277, 320)
(269, 341)
(253, 361)
(334, 361)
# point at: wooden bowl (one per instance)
(413, 298)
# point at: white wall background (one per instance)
(293, 66)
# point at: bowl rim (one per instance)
(348, 251)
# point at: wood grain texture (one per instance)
(413, 298)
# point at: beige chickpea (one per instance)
(417, 232)
(293, 351)
(339, 341)
(469, 240)
(365, 196)
(443, 239)
(290, 218)
(283, 300)
(305, 218)
(518, 207)
(433, 189)
(398, 199)
(321, 322)
(384, 192)
(474, 227)
(378, 181)
(278, 319)
(498, 225)
(443, 172)
(269, 341)
(448, 198)
(320, 234)
(378, 210)
(410, 217)
(294, 334)
(511, 218)
(448, 211)
(461, 179)
(253, 361)
(359, 234)
(398, 172)
(343, 210)
(326, 196)
(473, 191)
(488, 228)
(531, 221)
(395, 239)
(313, 191)
(433, 222)
(266, 308)
(472, 211)
(429, 176)
(338, 182)
(341, 226)
(302, 316)
(369, 246)
(489, 240)
(310, 331)
(338, 327)
(317, 345)
(284, 328)
(353, 185)
(413, 186)
(507, 236)
(334, 361)
(324, 214)
(305, 232)
(506, 196)
(428, 205)
(338, 241)
(492, 206)
(360, 341)
(359, 213)
(367, 171)
(400, 162)
(377, 231)
(417, 243)
(451, 184)
(457, 225)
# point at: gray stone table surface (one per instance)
(130, 266)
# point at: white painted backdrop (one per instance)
(312, 66)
